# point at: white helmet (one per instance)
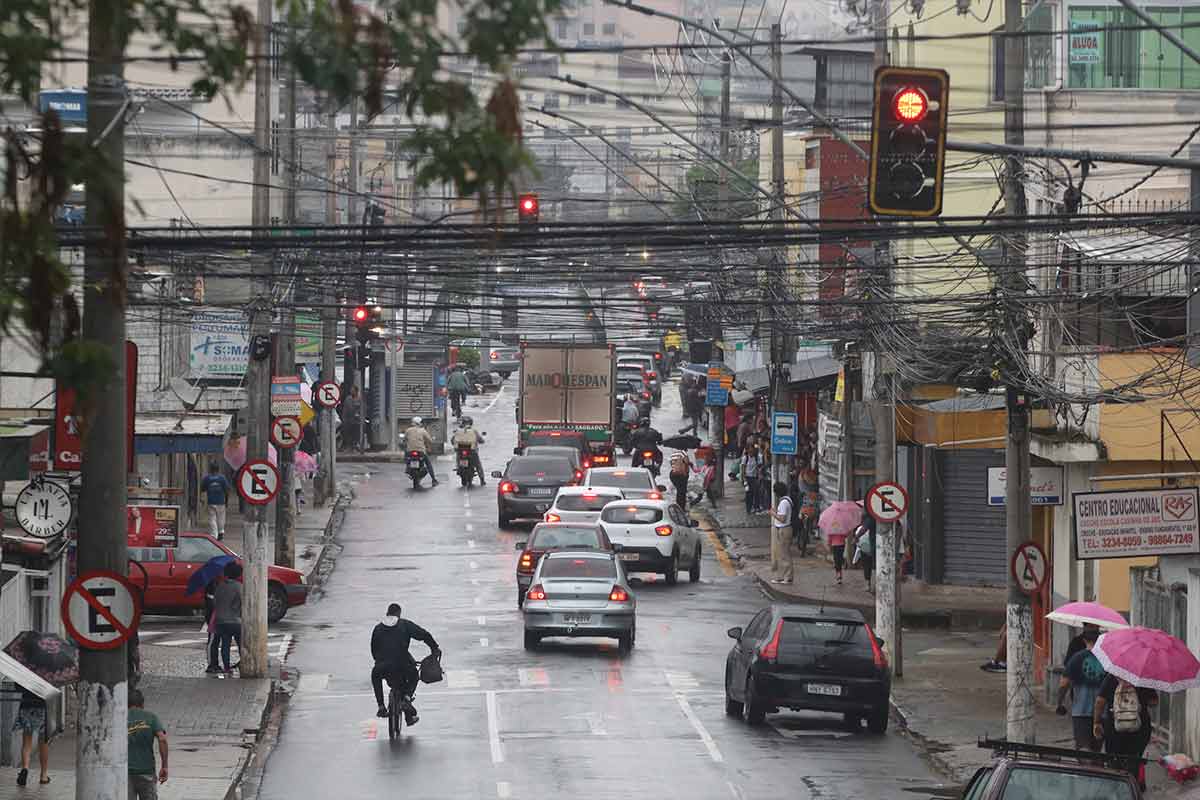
(416, 420)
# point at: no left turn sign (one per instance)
(101, 610)
(887, 501)
(258, 482)
(328, 394)
(286, 431)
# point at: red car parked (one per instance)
(168, 570)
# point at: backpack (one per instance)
(1127, 709)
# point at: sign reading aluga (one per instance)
(258, 482)
(101, 609)
(328, 394)
(887, 502)
(784, 436)
(1142, 522)
(1029, 568)
(286, 431)
(1045, 486)
(285, 396)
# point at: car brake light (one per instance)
(587, 462)
(664, 530)
(553, 517)
(536, 592)
(555, 433)
(654, 496)
(877, 651)
(770, 650)
(507, 487)
(645, 395)
(658, 356)
(494, 355)
(652, 375)
(414, 454)
(578, 475)
(589, 496)
(618, 595)
(526, 562)
(647, 454)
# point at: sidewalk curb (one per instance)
(931, 618)
(235, 785)
(337, 516)
(928, 749)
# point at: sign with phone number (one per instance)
(1144, 522)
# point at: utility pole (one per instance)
(258, 370)
(882, 410)
(1018, 513)
(102, 748)
(326, 484)
(777, 281)
(718, 418)
(285, 342)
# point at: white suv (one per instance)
(653, 536)
(580, 504)
(631, 481)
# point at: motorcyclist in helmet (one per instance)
(416, 438)
(643, 438)
(467, 436)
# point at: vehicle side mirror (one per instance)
(520, 545)
(660, 487)
(735, 632)
(497, 473)
(617, 548)
(516, 451)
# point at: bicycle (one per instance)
(396, 710)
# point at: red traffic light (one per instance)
(527, 207)
(910, 105)
(361, 314)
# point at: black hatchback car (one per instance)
(808, 658)
(529, 484)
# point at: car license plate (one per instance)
(414, 463)
(576, 618)
(464, 462)
(629, 556)
(540, 491)
(824, 688)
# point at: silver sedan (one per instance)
(580, 593)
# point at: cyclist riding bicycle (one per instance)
(389, 647)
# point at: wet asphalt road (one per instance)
(573, 719)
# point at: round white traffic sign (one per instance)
(101, 609)
(258, 482)
(887, 501)
(43, 508)
(328, 394)
(286, 431)
(1029, 568)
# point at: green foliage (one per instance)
(393, 52)
(703, 188)
(469, 356)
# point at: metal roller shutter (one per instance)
(973, 532)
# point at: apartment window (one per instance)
(551, 100)
(462, 27)
(1102, 56)
(610, 29)
(560, 28)
(576, 99)
(589, 29)
(597, 99)
(625, 133)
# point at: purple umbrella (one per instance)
(51, 658)
(841, 517)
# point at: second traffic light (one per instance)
(367, 319)
(527, 208)
(908, 141)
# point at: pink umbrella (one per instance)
(305, 463)
(1148, 658)
(1083, 613)
(235, 452)
(840, 517)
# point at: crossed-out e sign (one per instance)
(887, 501)
(258, 482)
(101, 609)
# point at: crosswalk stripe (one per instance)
(681, 680)
(535, 676)
(462, 679)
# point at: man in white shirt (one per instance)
(781, 536)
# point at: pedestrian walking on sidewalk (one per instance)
(31, 722)
(781, 536)
(1084, 676)
(681, 468)
(751, 464)
(216, 488)
(227, 618)
(144, 730)
(1122, 717)
(864, 538)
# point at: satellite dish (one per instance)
(188, 395)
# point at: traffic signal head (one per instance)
(908, 141)
(361, 315)
(527, 208)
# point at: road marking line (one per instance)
(478, 601)
(371, 730)
(533, 676)
(470, 542)
(467, 513)
(475, 582)
(469, 527)
(493, 716)
(464, 692)
(735, 791)
(816, 734)
(681, 680)
(474, 565)
(483, 642)
(482, 620)
(494, 399)
(705, 736)
(179, 642)
(503, 789)
(313, 682)
(462, 679)
(722, 554)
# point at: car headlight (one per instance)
(303, 580)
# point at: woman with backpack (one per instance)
(1122, 718)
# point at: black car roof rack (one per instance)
(1048, 753)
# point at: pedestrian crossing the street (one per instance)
(533, 679)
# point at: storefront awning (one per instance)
(813, 373)
(160, 433)
(18, 440)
